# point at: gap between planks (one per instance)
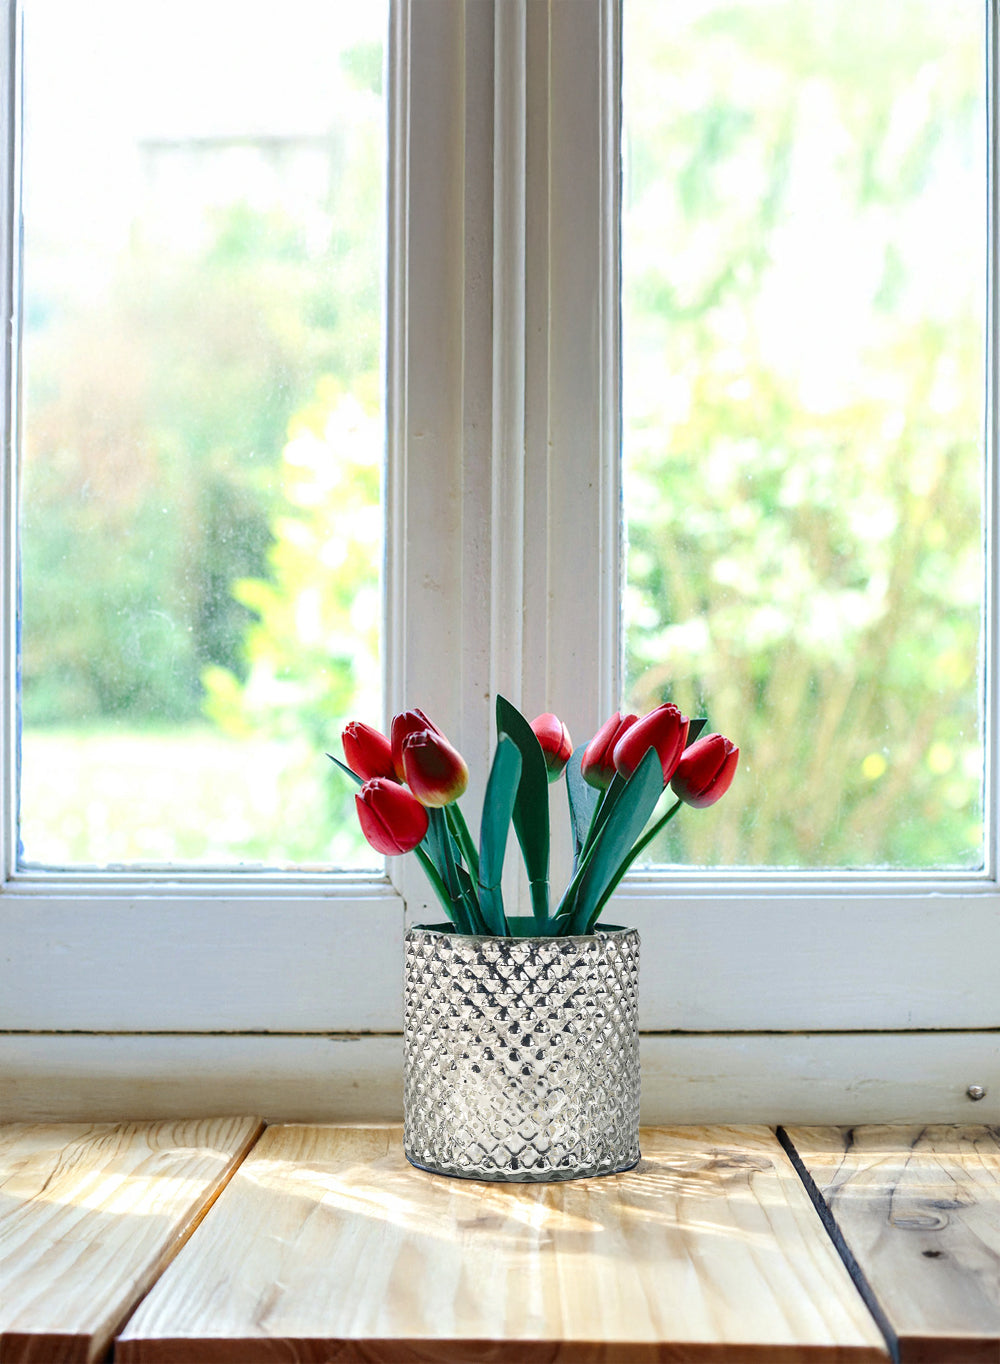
(917, 1212)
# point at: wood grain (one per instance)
(327, 1245)
(919, 1209)
(89, 1216)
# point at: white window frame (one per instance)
(764, 997)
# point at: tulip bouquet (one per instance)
(411, 783)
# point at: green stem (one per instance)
(460, 829)
(637, 848)
(607, 803)
(651, 833)
(566, 905)
(445, 861)
(540, 900)
(440, 889)
(469, 907)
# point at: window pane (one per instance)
(804, 251)
(201, 525)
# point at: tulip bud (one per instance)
(597, 766)
(435, 772)
(392, 820)
(705, 771)
(556, 745)
(664, 729)
(368, 753)
(403, 725)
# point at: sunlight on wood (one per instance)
(709, 1249)
(90, 1216)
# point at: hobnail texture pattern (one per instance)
(521, 1055)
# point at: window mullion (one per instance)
(440, 383)
(573, 362)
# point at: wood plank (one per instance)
(708, 1251)
(89, 1216)
(919, 1210)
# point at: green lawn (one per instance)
(190, 795)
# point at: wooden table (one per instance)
(224, 1243)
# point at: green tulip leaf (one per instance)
(440, 848)
(606, 802)
(498, 808)
(442, 845)
(531, 806)
(583, 801)
(655, 828)
(613, 844)
(695, 728)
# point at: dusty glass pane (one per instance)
(201, 526)
(804, 255)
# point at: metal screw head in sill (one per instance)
(976, 1092)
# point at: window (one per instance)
(201, 430)
(804, 400)
(790, 994)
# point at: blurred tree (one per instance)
(312, 656)
(803, 377)
(156, 410)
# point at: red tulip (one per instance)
(598, 766)
(392, 820)
(557, 746)
(435, 772)
(705, 771)
(664, 729)
(406, 723)
(368, 753)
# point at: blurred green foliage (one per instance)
(157, 409)
(803, 362)
(311, 657)
(804, 262)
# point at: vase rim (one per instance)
(447, 930)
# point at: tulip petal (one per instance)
(664, 729)
(705, 771)
(403, 725)
(435, 772)
(368, 752)
(598, 765)
(391, 818)
(556, 745)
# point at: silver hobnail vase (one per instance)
(521, 1055)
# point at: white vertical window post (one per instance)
(504, 370)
